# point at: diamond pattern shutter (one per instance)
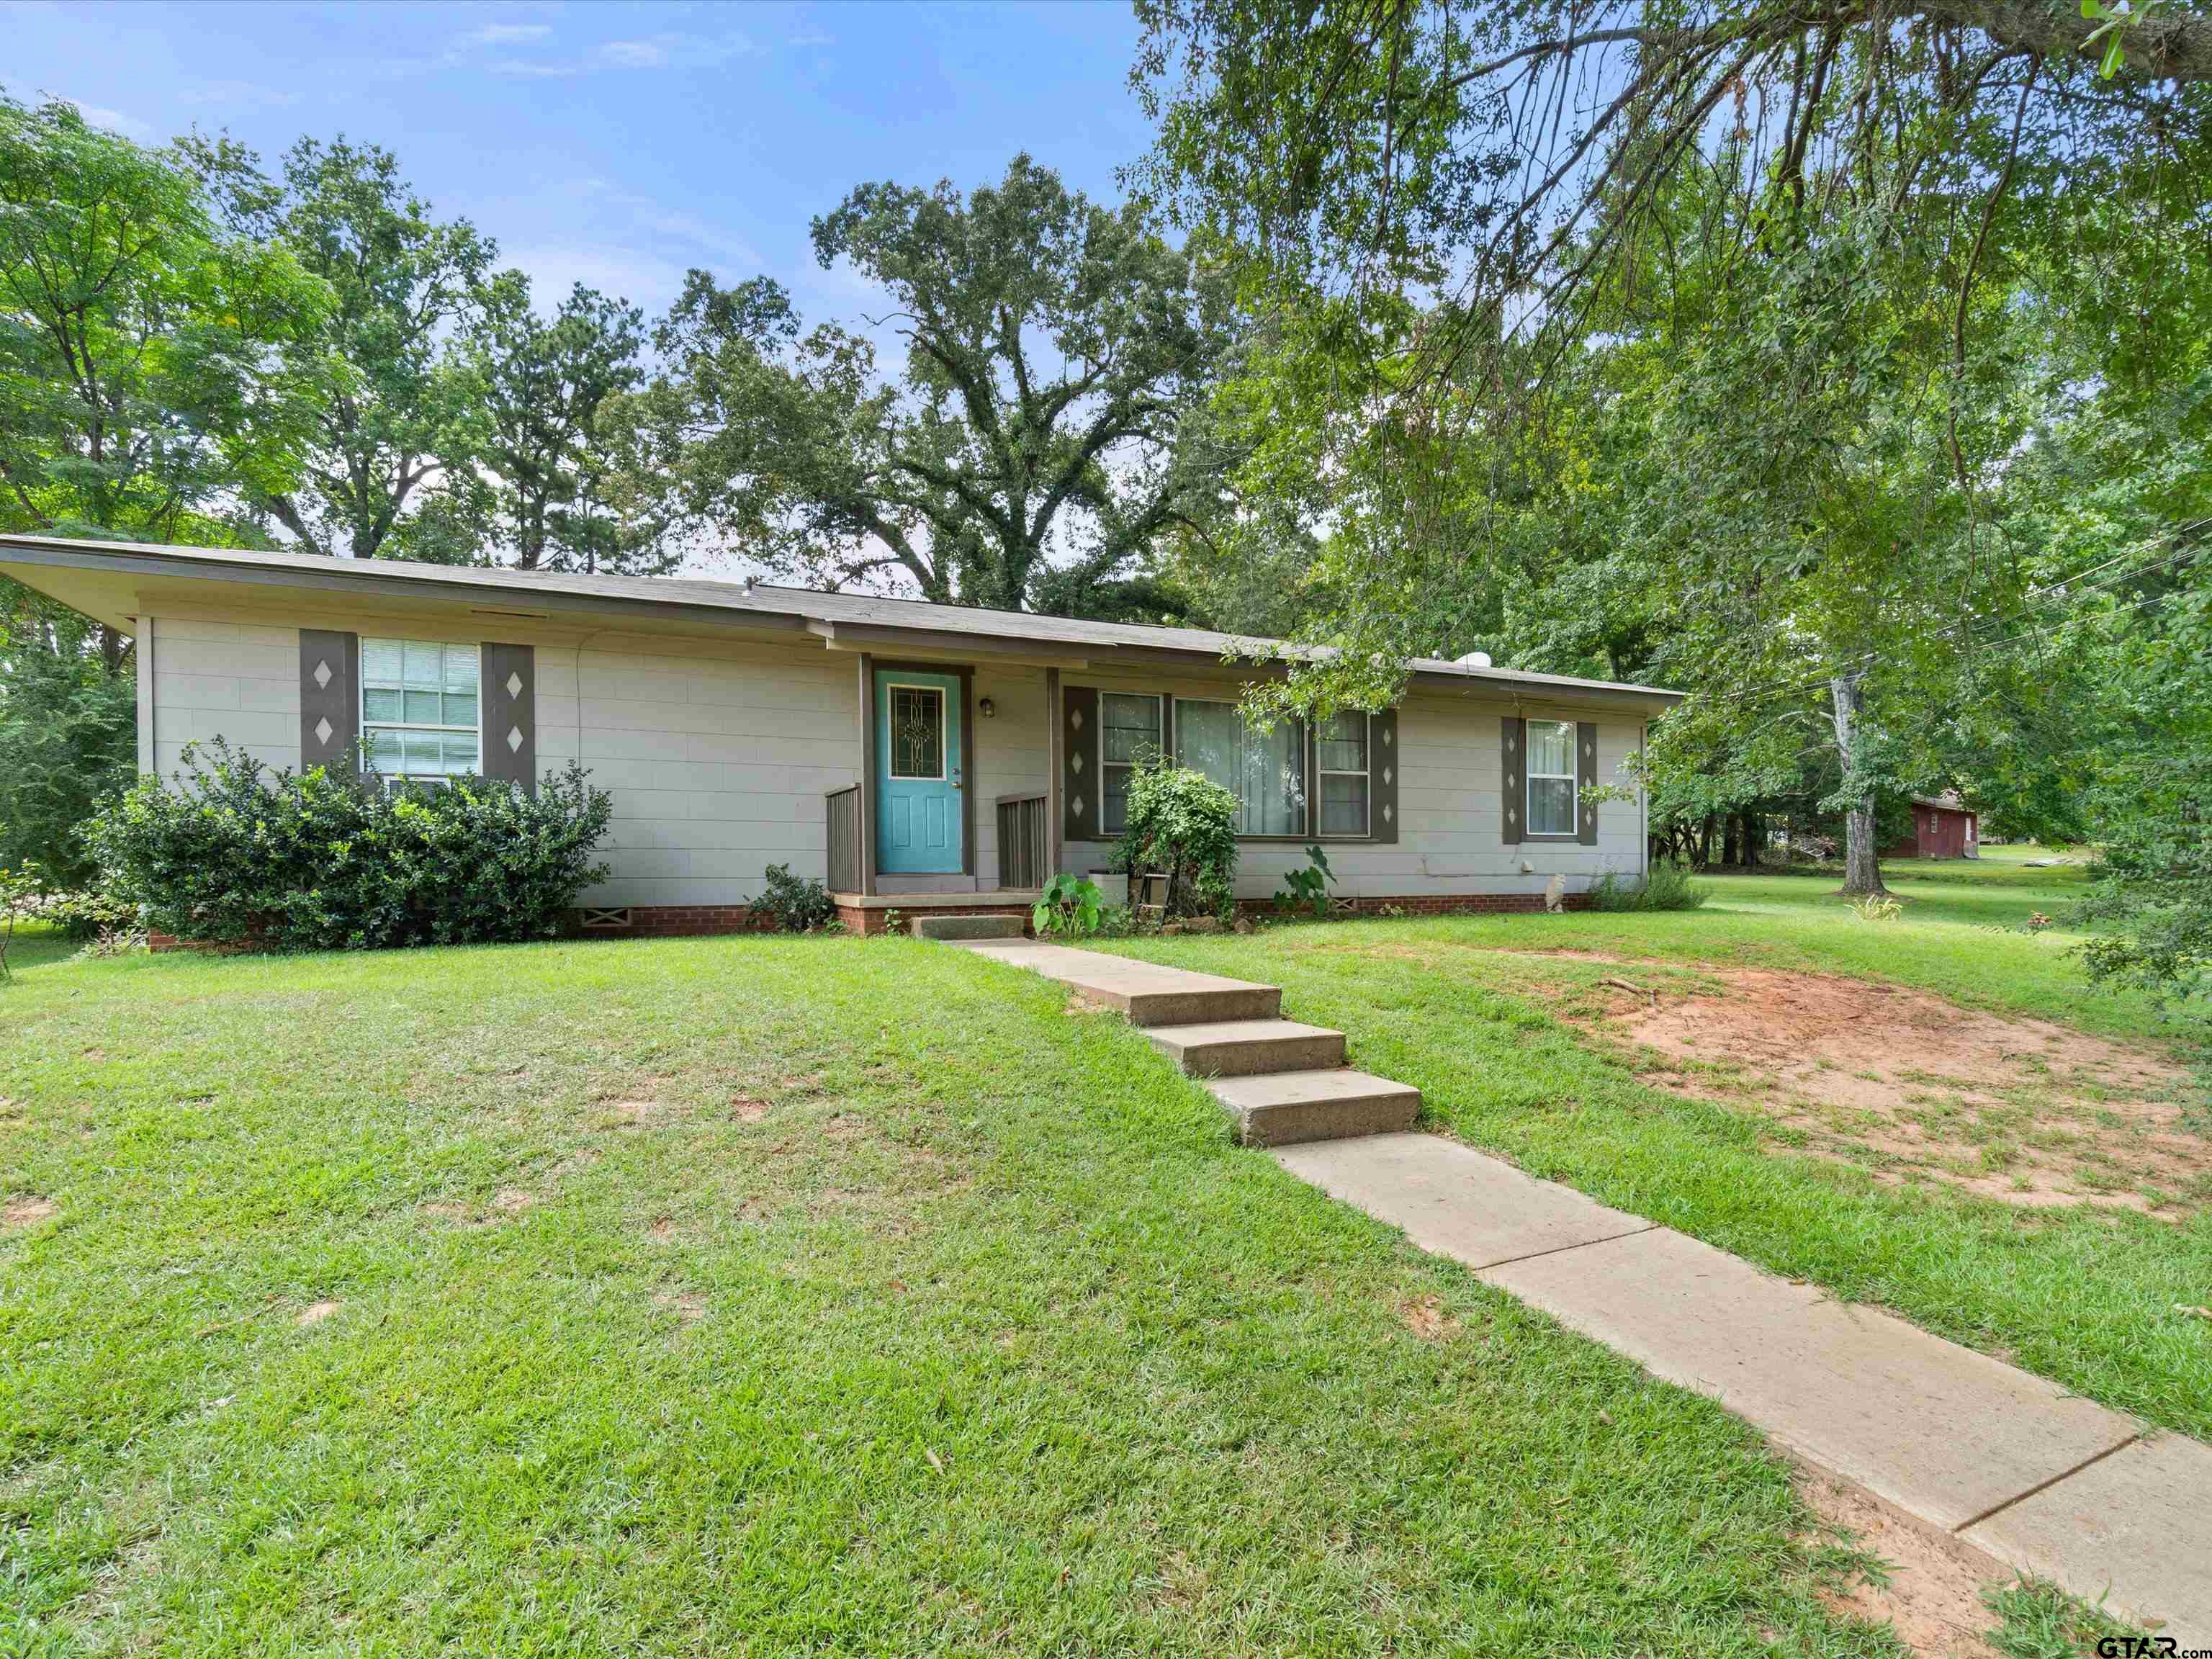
(510, 714)
(1585, 781)
(1078, 749)
(1382, 776)
(330, 696)
(1513, 775)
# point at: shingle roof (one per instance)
(755, 598)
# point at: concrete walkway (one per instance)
(2001, 1462)
(2005, 1462)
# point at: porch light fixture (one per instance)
(986, 708)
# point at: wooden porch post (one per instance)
(867, 774)
(1054, 765)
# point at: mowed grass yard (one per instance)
(763, 1296)
(1498, 1033)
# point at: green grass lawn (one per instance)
(773, 1296)
(2088, 1296)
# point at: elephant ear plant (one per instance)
(1307, 888)
(1070, 907)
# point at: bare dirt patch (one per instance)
(28, 1212)
(1916, 1089)
(748, 1111)
(1933, 1593)
(1426, 1318)
(316, 1312)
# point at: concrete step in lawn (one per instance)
(1284, 1109)
(1246, 1048)
(1147, 993)
(963, 928)
(1281, 1083)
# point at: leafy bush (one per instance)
(1184, 824)
(1069, 905)
(793, 905)
(1307, 888)
(1666, 886)
(231, 851)
(68, 735)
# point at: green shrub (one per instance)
(792, 903)
(1666, 886)
(1184, 824)
(231, 851)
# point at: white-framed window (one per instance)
(1552, 777)
(917, 731)
(421, 710)
(1341, 756)
(1128, 737)
(1265, 770)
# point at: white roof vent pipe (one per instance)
(1474, 659)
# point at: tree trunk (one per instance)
(1862, 871)
(1732, 840)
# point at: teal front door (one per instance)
(921, 822)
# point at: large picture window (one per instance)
(419, 709)
(1265, 770)
(1551, 777)
(1129, 737)
(1340, 752)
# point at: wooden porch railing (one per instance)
(843, 806)
(1021, 854)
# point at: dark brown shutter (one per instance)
(510, 714)
(1078, 749)
(1513, 776)
(1585, 781)
(329, 695)
(1382, 776)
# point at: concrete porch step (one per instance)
(968, 926)
(1282, 1109)
(1246, 1048)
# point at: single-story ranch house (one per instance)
(913, 756)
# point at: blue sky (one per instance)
(621, 143)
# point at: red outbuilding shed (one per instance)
(1943, 827)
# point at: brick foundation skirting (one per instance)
(1432, 904)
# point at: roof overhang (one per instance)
(116, 582)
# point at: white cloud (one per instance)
(676, 50)
(535, 69)
(505, 34)
(236, 92)
(115, 121)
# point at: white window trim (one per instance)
(1160, 737)
(944, 732)
(1366, 830)
(1531, 777)
(1312, 814)
(432, 780)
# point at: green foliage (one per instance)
(1666, 886)
(234, 852)
(1307, 888)
(1057, 350)
(400, 402)
(793, 904)
(21, 888)
(1183, 823)
(539, 491)
(151, 375)
(1069, 905)
(68, 731)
